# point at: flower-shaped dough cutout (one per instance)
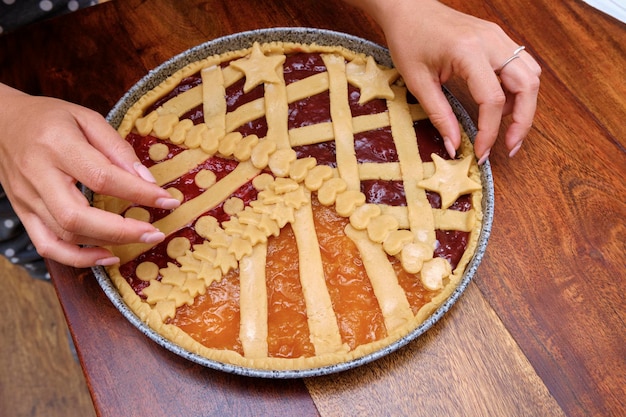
(450, 180)
(156, 291)
(374, 82)
(254, 234)
(259, 68)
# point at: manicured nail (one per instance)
(110, 261)
(144, 172)
(167, 203)
(152, 237)
(484, 157)
(515, 149)
(449, 147)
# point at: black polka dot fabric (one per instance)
(17, 13)
(15, 244)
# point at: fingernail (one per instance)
(515, 149)
(152, 237)
(110, 261)
(484, 157)
(449, 147)
(144, 172)
(167, 203)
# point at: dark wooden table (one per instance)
(540, 331)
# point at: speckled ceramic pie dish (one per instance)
(305, 36)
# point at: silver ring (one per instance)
(508, 61)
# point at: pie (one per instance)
(321, 218)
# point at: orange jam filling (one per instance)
(288, 329)
(416, 294)
(213, 319)
(358, 314)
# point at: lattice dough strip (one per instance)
(244, 114)
(323, 132)
(400, 213)
(370, 122)
(454, 220)
(182, 103)
(307, 87)
(417, 112)
(179, 165)
(192, 209)
(311, 134)
(391, 297)
(322, 321)
(387, 171)
(276, 111)
(341, 116)
(253, 329)
(419, 210)
(214, 99)
(163, 173)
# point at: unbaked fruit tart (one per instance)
(321, 218)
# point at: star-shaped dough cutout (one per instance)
(450, 179)
(374, 82)
(259, 68)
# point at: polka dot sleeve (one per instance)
(17, 13)
(15, 244)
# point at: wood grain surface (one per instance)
(448, 372)
(39, 375)
(541, 331)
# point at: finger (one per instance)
(428, 91)
(107, 229)
(81, 224)
(107, 141)
(509, 104)
(487, 93)
(523, 113)
(90, 167)
(532, 64)
(73, 220)
(521, 83)
(49, 246)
